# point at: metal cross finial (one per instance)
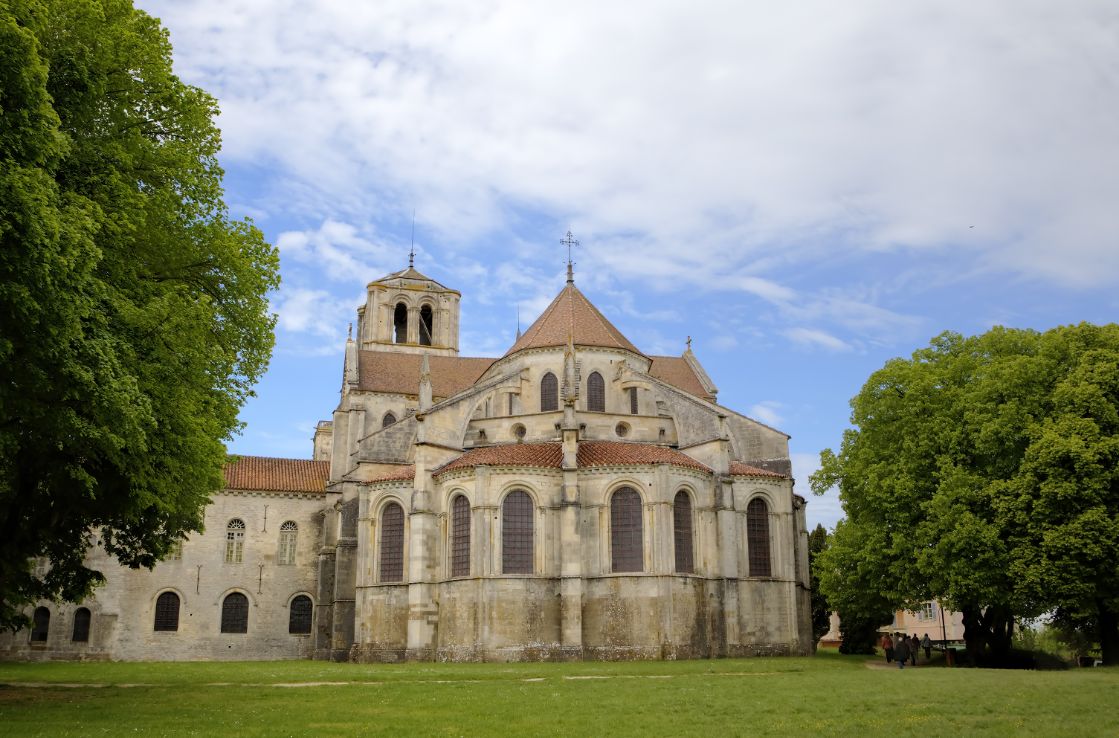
(412, 252)
(689, 342)
(569, 240)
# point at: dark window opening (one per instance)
(682, 532)
(167, 612)
(516, 534)
(757, 537)
(633, 401)
(596, 393)
(40, 625)
(427, 325)
(299, 616)
(388, 420)
(460, 537)
(400, 323)
(392, 543)
(626, 531)
(235, 614)
(81, 625)
(549, 393)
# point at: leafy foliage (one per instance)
(133, 311)
(821, 611)
(983, 472)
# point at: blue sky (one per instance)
(807, 189)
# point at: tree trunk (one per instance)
(1109, 635)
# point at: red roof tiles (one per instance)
(276, 475)
(591, 454)
(399, 474)
(571, 314)
(676, 370)
(738, 469)
(384, 371)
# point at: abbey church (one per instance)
(574, 498)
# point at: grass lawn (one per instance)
(824, 695)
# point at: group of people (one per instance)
(902, 648)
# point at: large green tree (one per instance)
(133, 310)
(984, 472)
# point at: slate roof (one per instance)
(384, 371)
(738, 469)
(276, 475)
(676, 370)
(591, 454)
(572, 314)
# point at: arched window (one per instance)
(234, 541)
(167, 612)
(460, 537)
(40, 625)
(299, 615)
(596, 393)
(392, 543)
(549, 393)
(682, 532)
(427, 325)
(81, 625)
(400, 323)
(626, 531)
(633, 401)
(388, 420)
(288, 531)
(516, 533)
(235, 613)
(757, 537)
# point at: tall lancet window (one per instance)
(626, 531)
(392, 543)
(596, 393)
(400, 323)
(757, 537)
(427, 325)
(682, 533)
(460, 537)
(549, 393)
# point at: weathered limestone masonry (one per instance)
(572, 499)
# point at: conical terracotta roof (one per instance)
(572, 314)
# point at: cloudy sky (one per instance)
(807, 189)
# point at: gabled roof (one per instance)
(384, 371)
(409, 273)
(572, 314)
(676, 370)
(261, 473)
(591, 454)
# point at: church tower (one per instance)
(407, 312)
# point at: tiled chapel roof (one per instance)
(276, 475)
(676, 370)
(399, 474)
(572, 314)
(591, 454)
(738, 469)
(383, 371)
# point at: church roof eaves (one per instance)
(591, 454)
(739, 469)
(389, 372)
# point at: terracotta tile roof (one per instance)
(399, 474)
(591, 454)
(547, 455)
(382, 371)
(738, 469)
(276, 475)
(409, 273)
(610, 453)
(571, 313)
(676, 371)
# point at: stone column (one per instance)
(423, 540)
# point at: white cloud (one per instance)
(724, 343)
(767, 412)
(813, 337)
(703, 135)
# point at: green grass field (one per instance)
(825, 695)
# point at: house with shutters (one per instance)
(574, 498)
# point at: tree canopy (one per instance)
(984, 472)
(133, 311)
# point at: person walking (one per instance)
(887, 644)
(927, 645)
(901, 651)
(914, 648)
